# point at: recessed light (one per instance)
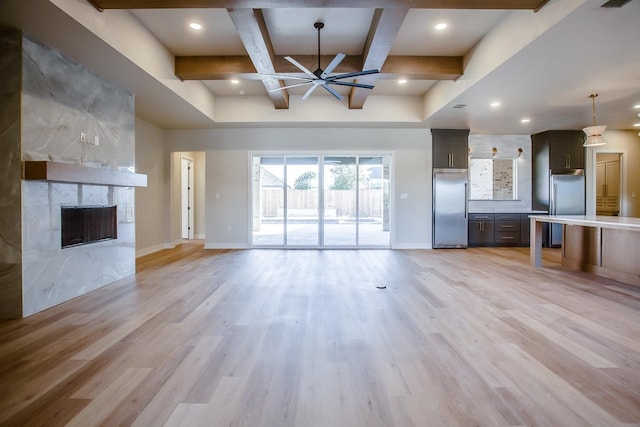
(495, 104)
(235, 82)
(636, 125)
(636, 106)
(195, 26)
(441, 26)
(402, 81)
(525, 120)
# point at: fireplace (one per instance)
(82, 225)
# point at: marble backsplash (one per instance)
(54, 100)
(62, 100)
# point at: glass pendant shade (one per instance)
(594, 133)
(594, 136)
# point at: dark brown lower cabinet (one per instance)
(498, 229)
(480, 230)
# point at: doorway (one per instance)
(608, 179)
(187, 190)
(321, 201)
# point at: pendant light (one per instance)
(594, 133)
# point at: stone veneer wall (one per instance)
(61, 99)
(10, 176)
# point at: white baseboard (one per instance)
(199, 236)
(412, 246)
(226, 246)
(152, 249)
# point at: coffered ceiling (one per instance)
(540, 59)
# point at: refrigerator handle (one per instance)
(554, 193)
(465, 200)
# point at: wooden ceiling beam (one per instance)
(228, 67)
(255, 38)
(273, 4)
(383, 31)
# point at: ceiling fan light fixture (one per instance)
(594, 133)
(323, 78)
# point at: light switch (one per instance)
(404, 195)
(217, 195)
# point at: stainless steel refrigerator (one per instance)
(566, 197)
(450, 229)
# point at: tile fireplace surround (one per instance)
(49, 101)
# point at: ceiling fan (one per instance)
(322, 77)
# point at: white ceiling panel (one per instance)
(292, 31)
(218, 35)
(465, 28)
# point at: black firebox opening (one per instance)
(82, 225)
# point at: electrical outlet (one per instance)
(83, 137)
(96, 141)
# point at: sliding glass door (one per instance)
(321, 201)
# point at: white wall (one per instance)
(227, 173)
(627, 143)
(152, 231)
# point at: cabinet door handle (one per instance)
(507, 226)
(507, 238)
(450, 160)
(567, 161)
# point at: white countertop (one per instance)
(617, 222)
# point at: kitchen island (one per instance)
(607, 246)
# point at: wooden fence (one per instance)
(342, 201)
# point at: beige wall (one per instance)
(152, 214)
(224, 153)
(227, 173)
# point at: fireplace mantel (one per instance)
(71, 173)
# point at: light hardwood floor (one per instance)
(470, 337)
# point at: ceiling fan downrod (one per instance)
(318, 26)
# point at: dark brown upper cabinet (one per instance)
(559, 149)
(450, 148)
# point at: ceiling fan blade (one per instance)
(332, 91)
(307, 93)
(351, 84)
(300, 67)
(290, 86)
(355, 74)
(333, 64)
(284, 77)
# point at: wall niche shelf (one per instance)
(78, 174)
